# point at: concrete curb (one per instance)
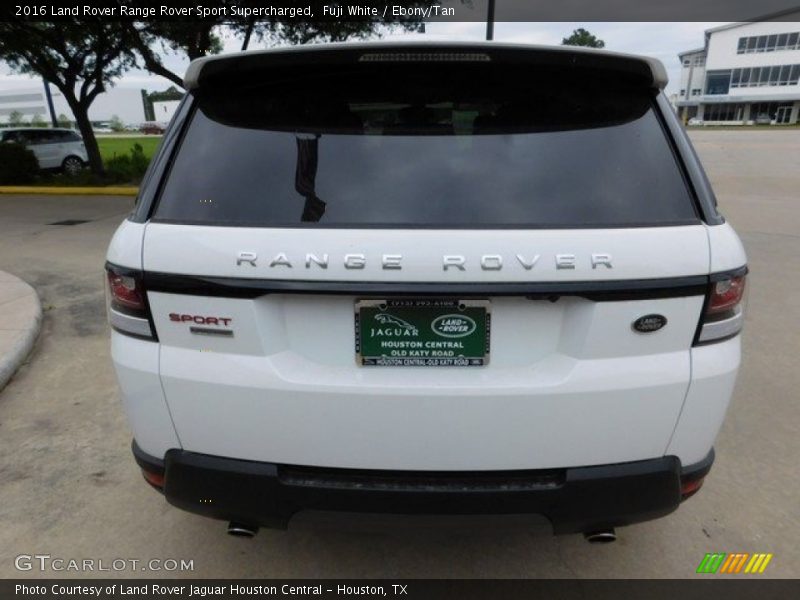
(112, 190)
(20, 322)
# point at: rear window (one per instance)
(432, 145)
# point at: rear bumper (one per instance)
(574, 500)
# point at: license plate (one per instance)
(422, 333)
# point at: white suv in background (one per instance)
(54, 148)
(449, 278)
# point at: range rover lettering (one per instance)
(438, 279)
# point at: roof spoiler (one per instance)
(214, 71)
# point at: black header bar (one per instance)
(704, 588)
(397, 11)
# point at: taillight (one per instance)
(128, 311)
(125, 291)
(723, 315)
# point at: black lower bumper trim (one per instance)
(146, 462)
(574, 499)
(698, 470)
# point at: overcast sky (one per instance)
(659, 40)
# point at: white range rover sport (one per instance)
(439, 279)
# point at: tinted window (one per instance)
(15, 136)
(427, 147)
(39, 137)
(67, 136)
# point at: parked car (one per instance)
(153, 127)
(438, 287)
(694, 121)
(54, 148)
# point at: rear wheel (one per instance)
(72, 165)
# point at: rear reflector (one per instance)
(690, 488)
(154, 479)
(723, 316)
(128, 311)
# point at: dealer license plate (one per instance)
(422, 332)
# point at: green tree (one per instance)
(171, 93)
(81, 57)
(18, 165)
(38, 121)
(15, 119)
(63, 121)
(581, 37)
(116, 124)
(306, 32)
(152, 39)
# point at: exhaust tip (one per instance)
(602, 536)
(241, 530)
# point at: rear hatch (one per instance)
(439, 260)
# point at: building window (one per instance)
(683, 93)
(723, 112)
(697, 60)
(718, 82)
(783, 75)
(765, 76)
(768, 43)
(742, 47)
(767, 110)
(696, 91)
(772, 43)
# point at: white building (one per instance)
(164, 109)
(745, 73)
(127, 104)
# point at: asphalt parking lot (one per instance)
(70, 488)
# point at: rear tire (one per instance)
(72, 165)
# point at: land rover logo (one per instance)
(649, 323)
(453, 326)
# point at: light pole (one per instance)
(50, 106)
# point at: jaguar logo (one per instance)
(387, 319)
(392, 325)
(453, 326)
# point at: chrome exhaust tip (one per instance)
(241, 530)
(601, 536)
